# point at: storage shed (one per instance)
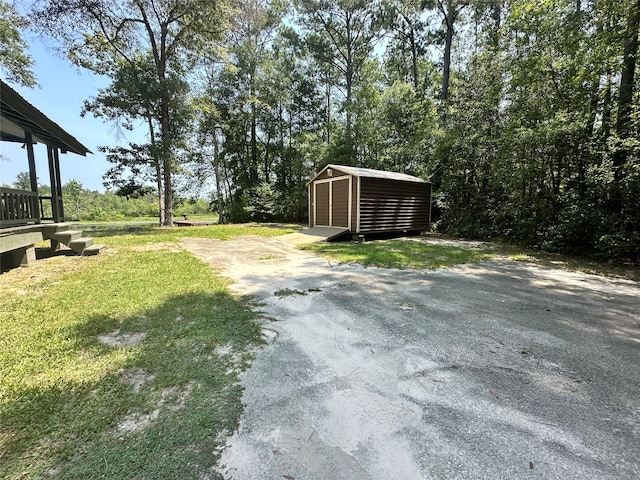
(362, 200)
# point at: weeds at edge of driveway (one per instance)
(420, 253)
(591, 266)
(401, 253)
(159, 406)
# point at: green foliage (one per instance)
(341, 36)
(407, 125)
(531, 152)
(264, 204)
(147, 49)
(14, 59)
(22, 181)
(86, 205)
(71, 192)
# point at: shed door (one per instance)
(333, 202)
(322, 204)
(340, 203)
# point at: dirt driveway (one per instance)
(498, 370)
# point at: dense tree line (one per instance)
(542, 140)
(525, 114)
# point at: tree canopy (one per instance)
(15, 60)
(158, 39)
(524, 114)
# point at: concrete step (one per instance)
(50, 229)
(93, 249)
(66, 236)
(79, 245)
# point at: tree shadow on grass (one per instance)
(193, 348)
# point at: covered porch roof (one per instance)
(17, 117)
(23, 123)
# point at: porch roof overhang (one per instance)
(17, 117)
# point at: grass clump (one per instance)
(401, 253)
(68, 405)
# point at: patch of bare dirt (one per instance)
(172, 399)
(249, 250)
(249, 257)
(134, 422)
(117, 339)
(235, 359)
(136, 377)
(42, 272)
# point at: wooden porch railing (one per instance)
(20, 207)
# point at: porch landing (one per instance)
(314, 235)
(17, 244)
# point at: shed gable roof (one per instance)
(371, 173)
(19, 116)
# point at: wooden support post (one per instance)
(32, 174)
(55, 212)
(23, 256)
(56, 159)
(54, 186)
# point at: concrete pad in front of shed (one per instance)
(498, 370)
(313, 235)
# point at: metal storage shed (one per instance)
(362, 200)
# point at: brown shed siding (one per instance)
(340, 203)
(390, 205)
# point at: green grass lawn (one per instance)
(72, 406)
(400, 253)
(136, 234)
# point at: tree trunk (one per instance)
(449, 13)
(627, 78)
(625, 98)
(253, 175)
(216, 167)
(625, 103)
(161, 215)
(446, 72)
(156, 164)
(606, 110)
(168, 194)
(414, 57)
(496, 14)
(348, 126)
(328, 93)
(349, 85)
(167, 161)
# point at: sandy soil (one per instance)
(497, 370)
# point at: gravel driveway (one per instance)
(497, 370)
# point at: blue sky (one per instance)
(63, 89)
